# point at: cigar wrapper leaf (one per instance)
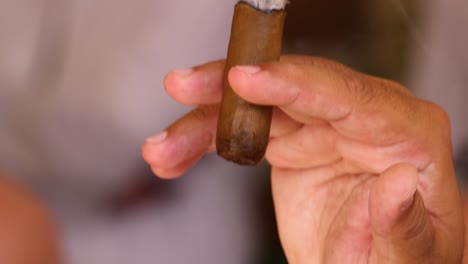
(243, 128)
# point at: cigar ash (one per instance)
(267, 5)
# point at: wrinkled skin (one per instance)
(362, 171)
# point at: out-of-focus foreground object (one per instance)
(27, 234)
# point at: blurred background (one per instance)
(81, 88)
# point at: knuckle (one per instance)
(440, 114)
(438, 118)
(366, 89)
(352, 85)
(358, 87)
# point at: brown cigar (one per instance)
(256, 36)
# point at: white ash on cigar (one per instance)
(267, 5)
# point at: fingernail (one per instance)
(158, 138)
(248, 69)
(183, 72)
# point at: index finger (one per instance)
(356, 104)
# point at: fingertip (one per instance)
(189, 137)
(399, 217)
(176, 171)
(150, 153)
(392, 194)
(165, 151)
(263, 84)
(405, 179)
(145, 153)
(400, 180)
(173, 78)
(165, 174)
(176, 84)
(246, 81)
(196, 86)
(410, 180)
(240, 79)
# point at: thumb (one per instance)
(401, 228)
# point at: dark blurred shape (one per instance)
(461, 166)
(146, 189)
(272, 252)
(320, 22)
(28, 233)
(371, 36)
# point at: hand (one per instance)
(361, 170)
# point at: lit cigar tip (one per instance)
(267, 5)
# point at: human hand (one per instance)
(361, 170)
